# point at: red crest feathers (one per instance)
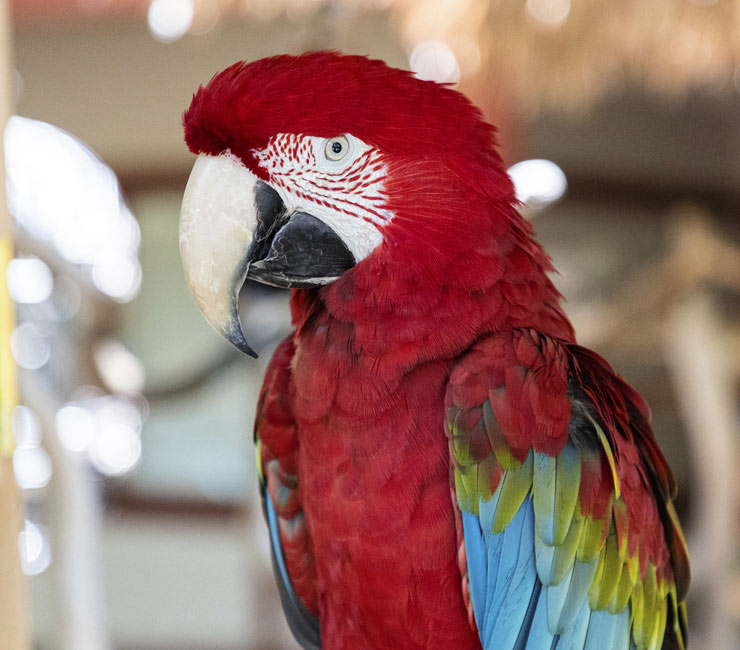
(327, 94)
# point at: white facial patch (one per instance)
(346, 193)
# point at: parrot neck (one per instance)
(440, 315)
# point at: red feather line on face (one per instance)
(290, 162)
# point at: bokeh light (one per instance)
(548, 13)
(63, 194)
(26, 427)
(116, 449)
(30, 347)
(75, 427)
(120, 369)
(538, 182)
(32, 467)
(31, 464)
(34, 548)
(106, 428)
(29, 280)
(169, 20)
(118, 277)
(434, 61)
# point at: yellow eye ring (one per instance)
(336, 148)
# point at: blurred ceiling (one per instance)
(30, 13)
(549, 53)
(662, 118)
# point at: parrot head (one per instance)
(320, 167)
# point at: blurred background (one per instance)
(132, 454)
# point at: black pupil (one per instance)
(336, 147)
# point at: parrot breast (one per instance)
(374, 476)
(367, 391)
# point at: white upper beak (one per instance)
(218, 219)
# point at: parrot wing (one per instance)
(568, 537)
(292, 552)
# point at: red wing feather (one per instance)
(277, 448)
(521, 395)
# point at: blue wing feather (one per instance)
(513, 610)
(601, 631)
(477, 553)
(517, 576)
(539, 637)
(574, 637)
(502, 574)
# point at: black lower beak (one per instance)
(296, 250)
(289, 250)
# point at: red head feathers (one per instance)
(423, 205)
(325, 94)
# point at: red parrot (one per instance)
(442, 465)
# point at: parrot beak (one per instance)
(234, 226)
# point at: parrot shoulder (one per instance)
(565, 500)
(276, 445)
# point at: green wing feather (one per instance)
(585, 495)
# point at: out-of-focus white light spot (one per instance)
(31, 464)
(118, 277)
(118, 367)
(116, 449)
(32, 467)
(26, 427)
(538, 183)
(170, 20)
(113, 411)
(107, 428)
(75, 427)
(29, 346)
(34, 549)
(434, 61)
(29, 280)
(549, 13)
(57, 188)
(62, 193)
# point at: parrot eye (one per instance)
(336, 148)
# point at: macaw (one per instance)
(442, 465)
